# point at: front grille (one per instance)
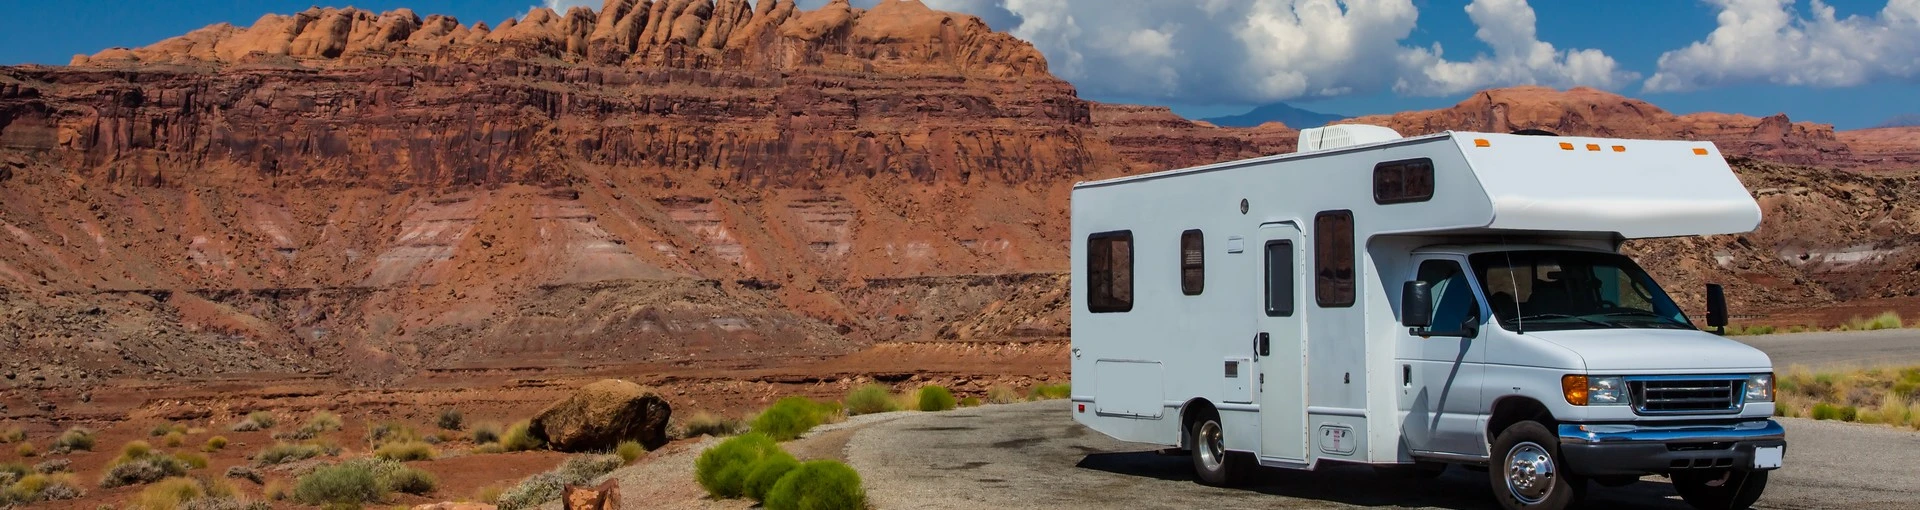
(1686, 396)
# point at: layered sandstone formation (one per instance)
(684, 181)
(1889, 147)
(362, 193)
(1589, 112)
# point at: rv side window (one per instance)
(1399, 182)
(1333, 259)
(1280, 278)
(1193, 269)
(1110, 272)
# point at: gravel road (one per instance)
(1033, 455)
(1840, 350)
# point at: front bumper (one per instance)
(1634, 450)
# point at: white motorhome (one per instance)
(1411, 303)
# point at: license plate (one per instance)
(1768, 457)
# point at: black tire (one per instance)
(1727, 489)
(1528, 473)
(1212, 464)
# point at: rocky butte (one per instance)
(369, 195)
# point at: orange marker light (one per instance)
(1481, 142)
(1699, 151)
(1593, 147)
(1619, 148)
(1575, 387)
(1566, 145)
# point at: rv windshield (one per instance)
(1545, 290)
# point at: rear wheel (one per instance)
(1213, 464)
(1528, 472)
(1729, 489)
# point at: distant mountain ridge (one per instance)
(1281, 112)
(1904, 120)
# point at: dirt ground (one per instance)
(126, 412)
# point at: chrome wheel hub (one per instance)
(1530, 473)
(1211, 445)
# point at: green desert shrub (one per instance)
(320, 423)
(870, 399)
(349, 484)
(789, 418)
(41, 487)
(1002, 395)
(257, 420)
(723, 469)
(1826, 411)
(192, 460)
(26, 450)
(13, 434)
(166, 428)
(1051, 391)
(485, 433)
(396, 477)
(74, 439)
(282, 453)
(152, 467)
(708, 424)
(520, 438)
(405, 451)
(935, 398)
(548, 486)
(390, 432)
(214, 444)
(173, 439)
(451, 420)
(970, 401)
(629, 451)
(53, 466)
(762, 475)
(132, 451)
(818, 484)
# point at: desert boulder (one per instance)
(601, 415)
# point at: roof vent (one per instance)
(1343, 135)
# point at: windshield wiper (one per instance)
(1629, 311)
(1524, 319)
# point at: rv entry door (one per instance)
(1280, 348)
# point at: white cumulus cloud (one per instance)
(1767, 41)
(1241, 51)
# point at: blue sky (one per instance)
(1214, 57)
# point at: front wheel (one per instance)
(1529, 473)
(1729, 489)
(1212, 462)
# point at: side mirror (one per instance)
(1716, 306)
(1416, 304)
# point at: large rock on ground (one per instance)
(601, 415)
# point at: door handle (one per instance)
(1266, 344)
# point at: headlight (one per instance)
(1760, 388)
(1606, 391)
(1583, 390)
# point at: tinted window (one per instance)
(1110, 272)
(1549, 290)
(1193, 268)
(1453, 301)
(1279, 278)
(1397, 182)
(1333, 259)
